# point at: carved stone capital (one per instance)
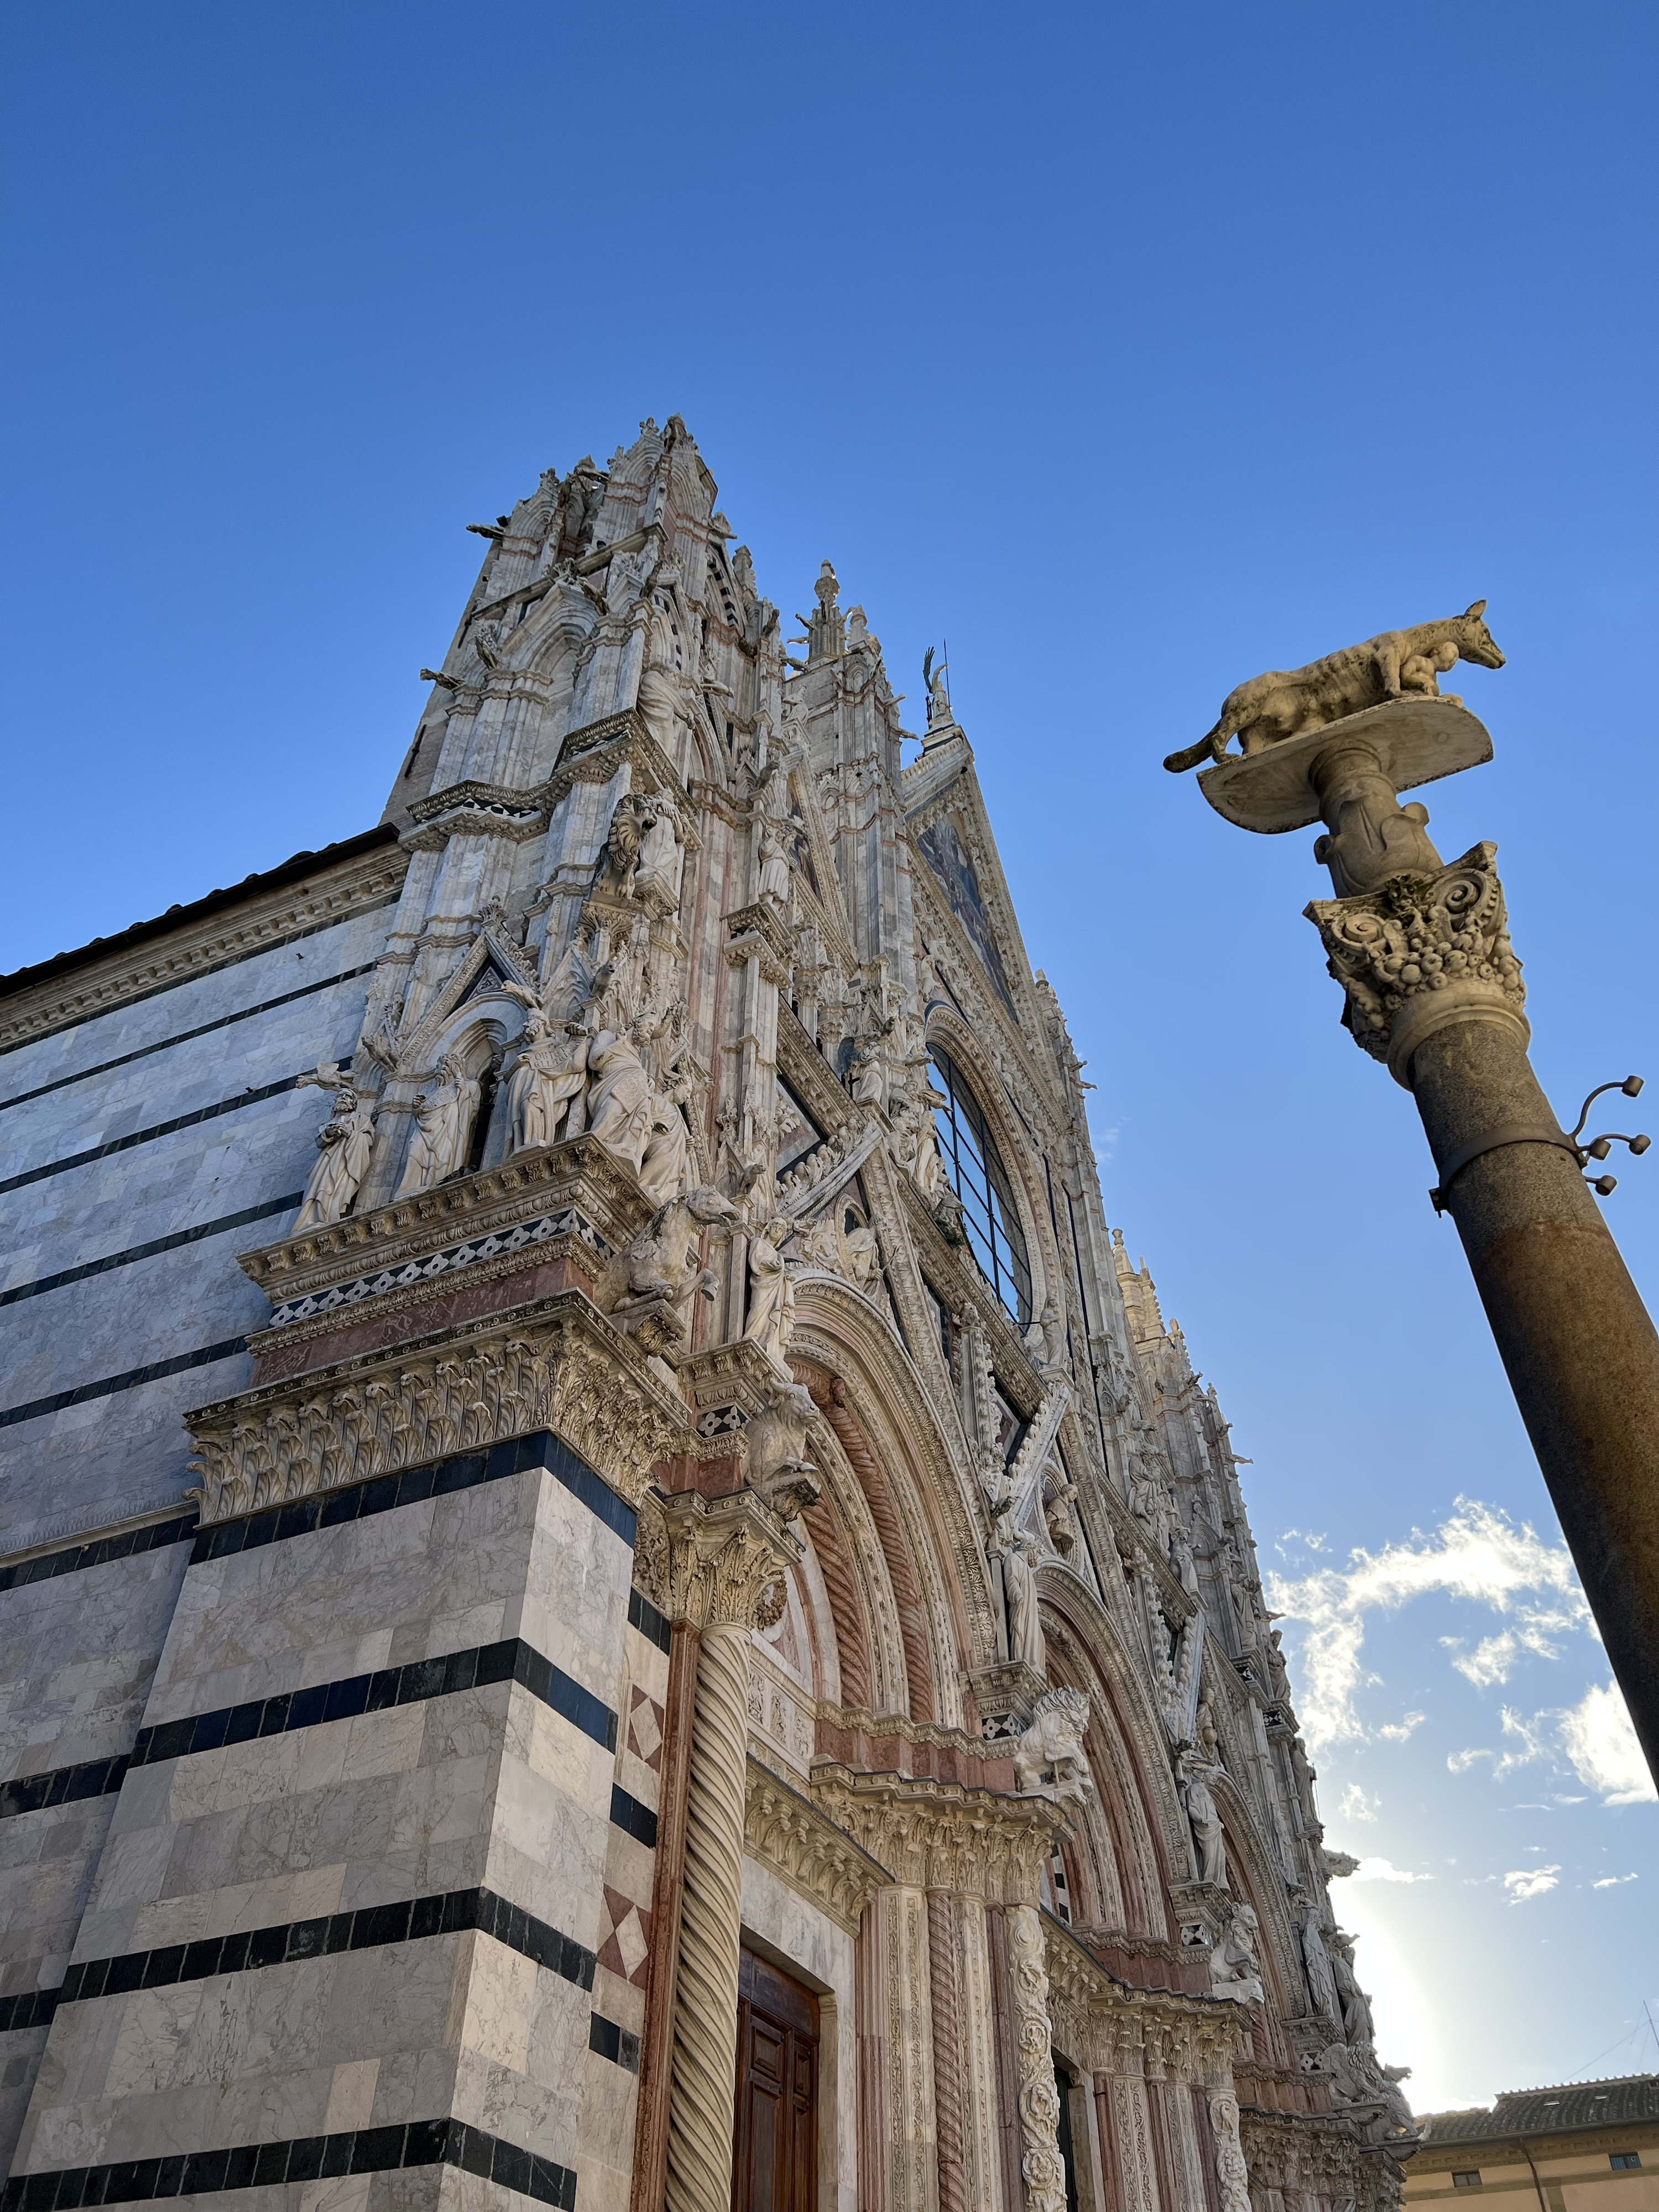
(712, 1562)
(1421, 953)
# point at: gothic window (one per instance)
(989, 1216)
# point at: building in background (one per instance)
(614, 1591)
(1593, 2144)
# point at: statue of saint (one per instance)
(771, 1294)
(1024, 1624)
(1209, 1839)
(343, 1145)
(664, 1169)
(552, 1072)
(619, 1097)
(1316, 1960)
(443, 1129)
(1355, 2008)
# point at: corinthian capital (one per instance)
(714, 1563)
(1421, 952)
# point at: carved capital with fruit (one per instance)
(1421, 953)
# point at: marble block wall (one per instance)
(126, 1194)
(363, 1908)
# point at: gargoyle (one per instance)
(1288, 702)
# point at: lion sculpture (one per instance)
(1053, 1747)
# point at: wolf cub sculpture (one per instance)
(1287, 702)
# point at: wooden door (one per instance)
(774, 2167)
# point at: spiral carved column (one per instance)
(947, 2052)
(715, 1564)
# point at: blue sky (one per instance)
(1133, 351)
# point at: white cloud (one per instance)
(1358, 1804)
(1493, 1658)
(1530, 1882)
(1384, 1870)
(1611, 1880)
(1398, 1731)
(1598, 1738)
(1478, 1553)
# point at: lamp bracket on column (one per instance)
(1593, 1148)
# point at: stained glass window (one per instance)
(989, 1216)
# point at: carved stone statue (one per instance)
(1235, 1968)
(771, 1294)
(868, 1067)
(938, 702)
(1287, 703)
(631, 818)
(443, 1129)
(1316, 1960)
(1025, 1642)
(343, 1145)
(664, 1169)
(619, 1100)
(773, 865)
(1209, 1837)
(1053, 1745)
(863, 1256)
(1355, 2005)
(661, 860)
(777, 1466)
(550, 1073)
(1368, 2094)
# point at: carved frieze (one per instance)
(792, 1837)
(942, 1834)
(558, 1364)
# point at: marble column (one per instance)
(1034, 2062)
(981, 2152)
(910, 2069)
(947, 2050)
(719, 1560)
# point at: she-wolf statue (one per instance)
(1287, 702)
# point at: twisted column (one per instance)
(947, 2053)
(716, 1563)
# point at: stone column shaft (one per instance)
(1576, 1342)
(947, 2053)
(703, 2066)
(1434, 988)
(712, 1563)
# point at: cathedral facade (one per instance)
(614, 1592)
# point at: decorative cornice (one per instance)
(557, 1363)
(595, 752)
(466, 1212)
(943, 1834)
(1312, 2152)
(797, 1841)
(333, 893)
(1113, 2028)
